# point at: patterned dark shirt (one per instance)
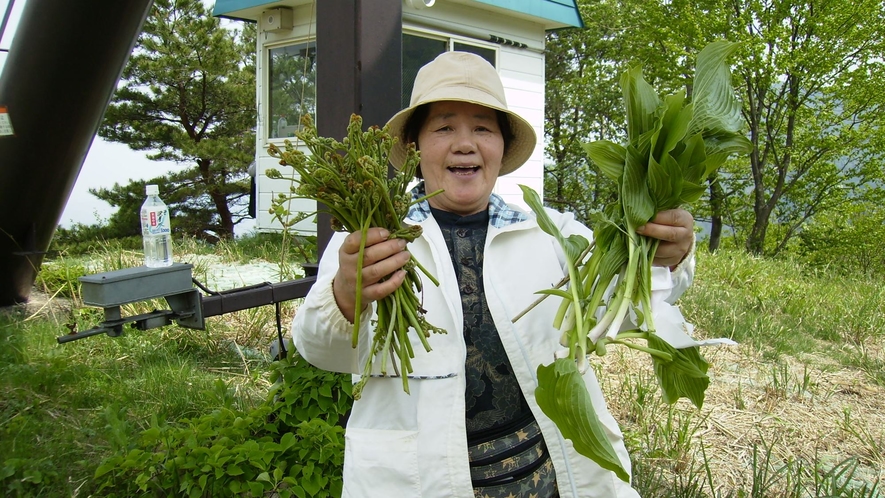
(507, 453)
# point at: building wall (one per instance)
(520, 63)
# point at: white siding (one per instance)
(304, 28)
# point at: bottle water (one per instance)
(155, 230)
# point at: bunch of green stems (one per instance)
(350, 180)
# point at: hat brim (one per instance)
(520, 149)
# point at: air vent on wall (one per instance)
(278, 19)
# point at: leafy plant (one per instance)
(671, 148)
(355, 189)
(290, 445)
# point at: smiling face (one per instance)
(461, 150)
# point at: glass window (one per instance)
(419, 50)
(292, 87)
(486, 53)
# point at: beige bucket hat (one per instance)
(464, 77)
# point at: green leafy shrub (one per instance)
(290, 445)
(60, 278)
(847, 241)
(26, 476)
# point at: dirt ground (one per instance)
(809, 408)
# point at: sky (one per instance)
(106, 163)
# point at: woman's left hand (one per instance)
(675, 229)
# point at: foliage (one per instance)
(290, 445)
(582, 102)
(847, 241)
(66, 409)
(807, 76)
(188, 93)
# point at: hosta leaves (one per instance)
(608, 156)
(659, 186)
(691, 192)
(613, 260)
(563, 396)
(673, 125)
(641, 102)
(638, 205)
(672, 147)
(684, 376)
(715, 105)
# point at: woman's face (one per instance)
(461, 151)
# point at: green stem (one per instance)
(425, 197)
(357, 311)
(425, 272)
(654, 352)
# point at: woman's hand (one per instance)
(675, 229)
(383, 257)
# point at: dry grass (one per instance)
(809, 409)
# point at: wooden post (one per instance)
(359, 70)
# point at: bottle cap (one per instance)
(151, 190)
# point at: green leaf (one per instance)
(685, 376)
(608, 156)
(715, 105)
(614, 258)
(692, 158)
(691, 192)
(638, 205)
(677, 181)
(641, 102)
(563, 396)
(659, 186)
(674, 125)
(534, 201)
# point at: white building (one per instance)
(508, 33)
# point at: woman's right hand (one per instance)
(383, 257)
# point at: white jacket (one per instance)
(415, 445)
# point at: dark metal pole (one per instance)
(60, 74)
(359, 69)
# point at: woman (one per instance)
(471, 426)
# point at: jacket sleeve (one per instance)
(682, 276)
(320, 332)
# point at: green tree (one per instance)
(582, 103)
(808, 74)
(187, 95)
(848, 241)
(808, 78)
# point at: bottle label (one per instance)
(156, 222)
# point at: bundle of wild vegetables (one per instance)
(672, 147)
(350, 179)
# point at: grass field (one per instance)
(796, 409)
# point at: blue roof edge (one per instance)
(560, 11)
(224, 7)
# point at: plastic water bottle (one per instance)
(155, 230)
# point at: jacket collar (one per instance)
(500, 214)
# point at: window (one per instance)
(421, 49)
(292, 87)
